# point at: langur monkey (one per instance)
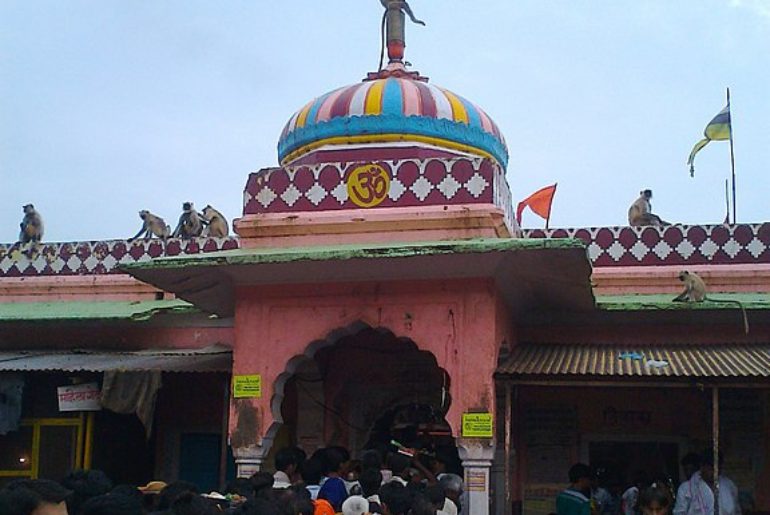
(152, 225)
(217, 224)
(695, 291)
(640, 213)
(190, 223)
(31, 226)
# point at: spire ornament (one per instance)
(394, 21)
(393, 34)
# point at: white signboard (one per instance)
(80, 397)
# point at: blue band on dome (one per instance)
(459, 132)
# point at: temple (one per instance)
(380, 287)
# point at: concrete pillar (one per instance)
(476, 456)
(248, 460)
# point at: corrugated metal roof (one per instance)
(606, 361)
(100, 310)
(210, 359)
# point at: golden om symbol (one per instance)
(368, 185)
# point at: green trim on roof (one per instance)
(83, 311)
(253, 256)
(653, 302)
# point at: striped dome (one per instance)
(392, 109)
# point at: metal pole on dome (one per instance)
(395, 27)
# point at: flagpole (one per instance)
(732, 153)
(727, 202)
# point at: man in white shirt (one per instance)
(696, 497)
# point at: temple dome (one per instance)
(402, 109)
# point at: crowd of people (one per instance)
(587, 495)
(327, 483)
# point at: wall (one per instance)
(277, 328)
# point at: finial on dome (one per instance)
(394, 39)
(394, 21)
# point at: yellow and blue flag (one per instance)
(718, 129)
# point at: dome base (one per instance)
(380, 225)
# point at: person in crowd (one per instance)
(333, 489)
(655, 500)
(355, 505)
(370, 481)
(630, 498)
(85, 484)
(322, 507)
(34, 497)
(286, 465)
(169, 494)
(128, 491)
(604, 503)
(395, 499)
(312, 471)
(696, 497)
(150, 494)
(690, 465)
(352, 484)
(576, 498)
(371, 459)
(190, 503)
(435, 494)
(295, 500)
(399, 465)
(112, 504)
(453, 490)
(421, 505)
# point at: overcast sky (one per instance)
(111, 106)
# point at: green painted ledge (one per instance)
(83, 311)
(254, 256)
(653, 302)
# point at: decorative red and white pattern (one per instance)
(606, 246)
(674, 245)
(98, 257)
(413, 182)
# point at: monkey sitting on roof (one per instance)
(695, 291)
(190, 223)
(217, 223)
(152, 225)
(31, 225)
(640, 213)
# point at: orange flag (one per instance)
(539, 202)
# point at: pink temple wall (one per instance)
(457, 321)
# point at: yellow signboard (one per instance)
(247, 386)
(477, 425)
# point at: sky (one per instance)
(112, 106)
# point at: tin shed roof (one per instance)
(597, 361)
(216, 358)
(94, 310)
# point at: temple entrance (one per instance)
(363, 391)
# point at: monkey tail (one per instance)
(745, 319)
(742, 308)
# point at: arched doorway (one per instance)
(361, 390)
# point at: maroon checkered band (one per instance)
(413, 182)
(606, 246)
(97, 257)
(674, 245)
